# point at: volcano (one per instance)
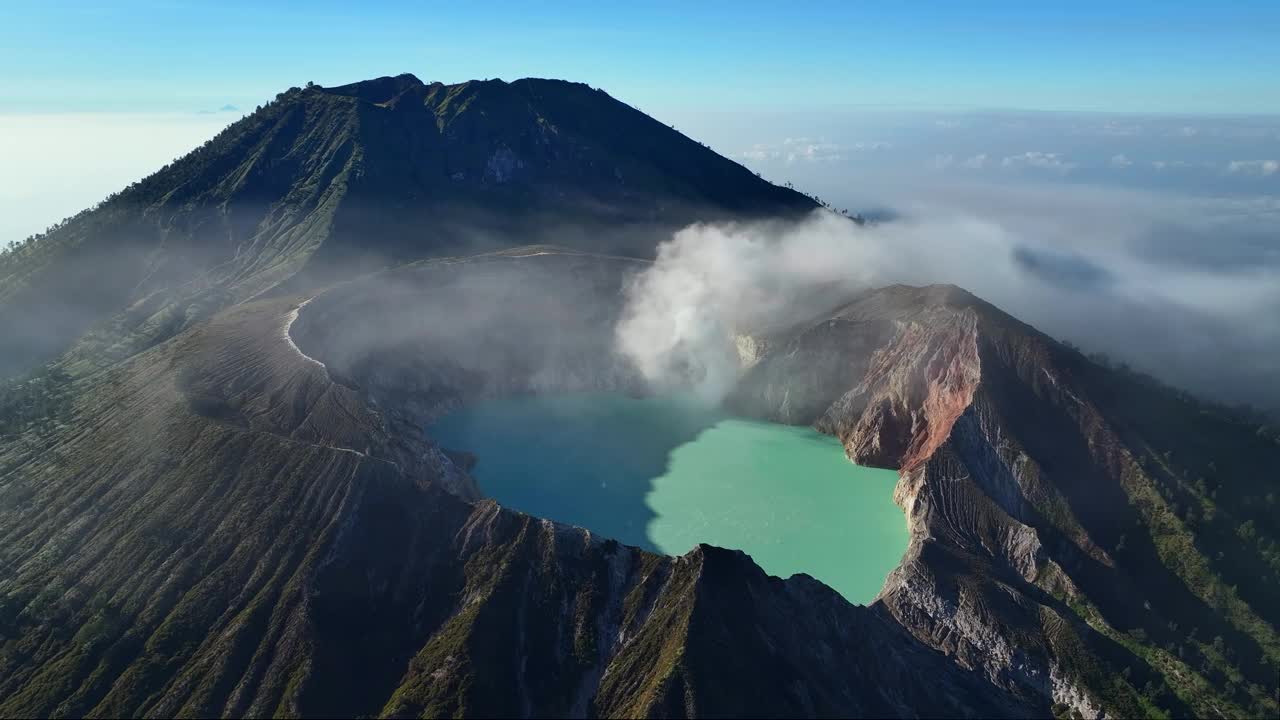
(219, 495)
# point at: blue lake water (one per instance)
(666, 474)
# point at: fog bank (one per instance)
(1194, 324)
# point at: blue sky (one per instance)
(1125, 56)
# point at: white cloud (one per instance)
(806, 149)
(1254, 167)
(1110, 128)
(1146, 278)
(1181, 165)
(810, 150)
(761, 151)
(1039, 161)
(945, 161)
(1120, 161)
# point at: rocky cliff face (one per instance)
(1044, 552)
(888, 374)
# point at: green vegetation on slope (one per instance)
(38, 401)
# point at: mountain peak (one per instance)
(324, 181)
(377, 90)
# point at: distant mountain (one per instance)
(325, 183)
(224, 498)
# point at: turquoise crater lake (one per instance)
(665, 474)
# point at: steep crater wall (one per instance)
(419, 341)
(900, 375)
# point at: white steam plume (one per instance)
(712, 282)
(1080, 276)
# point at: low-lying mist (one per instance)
(1190, 324)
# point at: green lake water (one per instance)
(665, 474)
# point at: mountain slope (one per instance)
(327, 183)
(224, 498)
(1058, 533)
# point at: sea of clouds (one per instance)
(1153, 240)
